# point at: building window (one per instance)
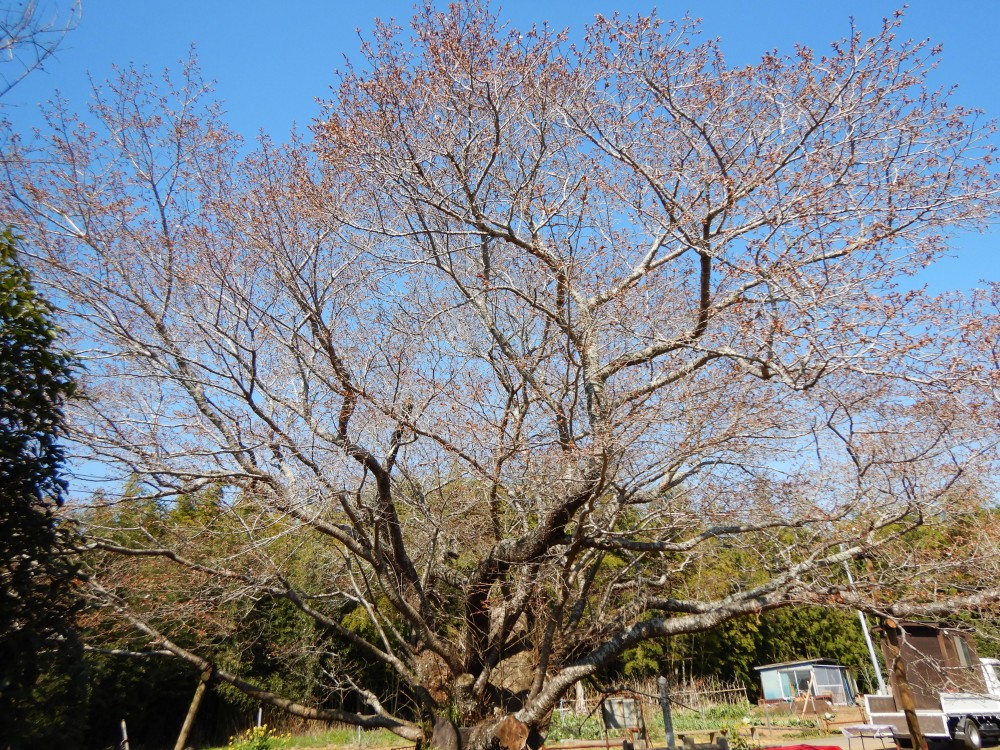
(964, 653)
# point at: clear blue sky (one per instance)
(272, 59)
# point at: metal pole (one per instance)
(871, 652)
(868, 639)
(668, 724)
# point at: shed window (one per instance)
(830, 681)
(772, 685)
(964, 654)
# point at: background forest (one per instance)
(80, 698)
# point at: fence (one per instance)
(691, 695)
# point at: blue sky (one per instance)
(272, 60)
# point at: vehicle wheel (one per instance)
(973, 739)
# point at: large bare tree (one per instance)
(526, 332)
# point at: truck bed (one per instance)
(969, 704)
(882, 710)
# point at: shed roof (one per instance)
(800, 663)
(920, 627)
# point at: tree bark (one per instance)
(904, 697)
(193, 710)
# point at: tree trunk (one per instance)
(509, 734)
(193, 710)
(903, 694)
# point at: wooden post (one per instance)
(193, 709)
(809, 695)
(903, 695)
(604, 721)
(668, 724)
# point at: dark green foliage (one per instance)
(644, 659)
(815, 632)
(35, 379)
(730, 652)
(37, 589)
(52, 713)
(151, 694)
(267, 647)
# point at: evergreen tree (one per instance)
(37, 592)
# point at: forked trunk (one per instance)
(508, 734)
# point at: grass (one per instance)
(737, 718)
(567, 726)
(339, 737)
(591, 727)
(347, 737)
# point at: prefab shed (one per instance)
(816, 678)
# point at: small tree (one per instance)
(528, 333)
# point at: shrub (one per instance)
(258, 738)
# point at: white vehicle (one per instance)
(955, 693)
(991, 674)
